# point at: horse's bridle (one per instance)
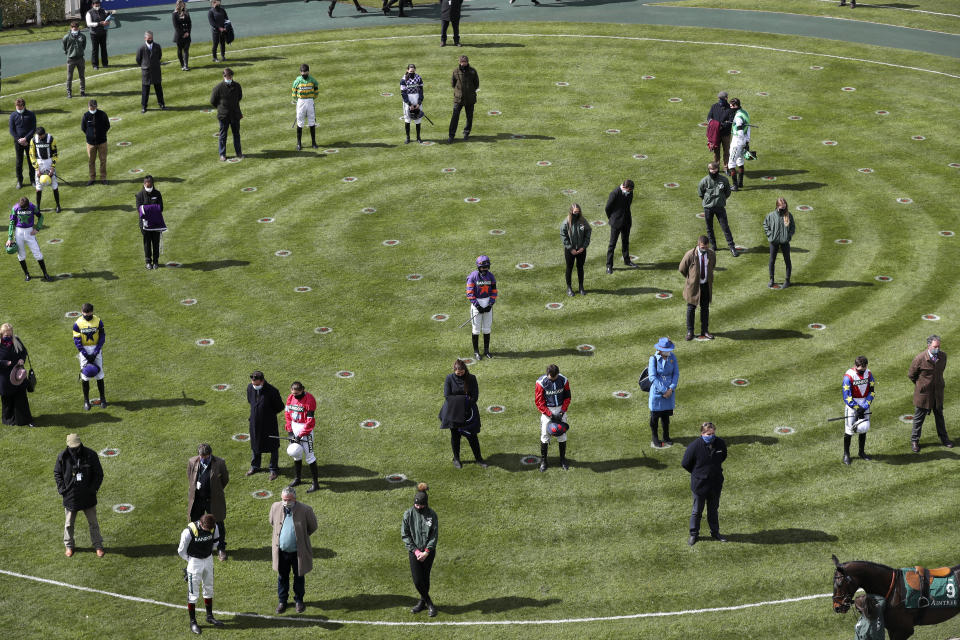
(842, 603)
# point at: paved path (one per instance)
(290, 16)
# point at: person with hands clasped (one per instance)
(575, 233)
(89, 336)
(411, 91)
(481, 294)
(858, 388)
(663, 374)
(300, 422)
(551, 394)
(25, 221)
(419, 531)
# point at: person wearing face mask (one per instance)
(411, 92)
(217, 17)
(89, 337)
(182, 26)
(575, 233)
(25, 221)
(265, 403)
(419, 530)
(697, 267)
(196, 547)
(13, 391)
(95, 125)
(703, 459)
(482, 295)
(551, 396)
(148, 57)
(207, 476)
(460, 413)
(300, 422)
(23, 124)
(465, 83)
(293, 523)
(740, 130)
(97, 19)
(620, 219)
(78, 475)
(150, 196)
(43, 157)
(714, 189)
(663, 373)
(305, 90)
(780, 225)
(226, 98)
(74, 45)
(858, 389)
(926, 374)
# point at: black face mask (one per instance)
(88, 318)
(299, 395)
(782, 211)
(714, 173)
(464, 66)
(149, 41)
(304, 75)
(861, 371)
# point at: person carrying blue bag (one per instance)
(663, 374)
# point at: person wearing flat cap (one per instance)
(13, 376)
(79, 475)
(419, 533)
(663, 374)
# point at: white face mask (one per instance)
(258, 387)
(74, 32)
(228, 80)
(148, 189)
(92, 110)
(20, 110)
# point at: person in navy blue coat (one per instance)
(23, 123)
(663, 373)
(703, 459)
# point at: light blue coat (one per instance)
(664, 374)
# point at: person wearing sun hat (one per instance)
(79, 475)
(663, 373)
(419, 533)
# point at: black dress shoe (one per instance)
(417, 608)
(195, 627)
(543, 466)
(483, 465)
(915, 446)
(692, 540)
(58, 209)
(948, 444)
(89, 183)
(582, 292)
(734, 252)
(708, 336)
(300, 607)
(281, 607)
(19, 185)
(432, 608)
(630, 263)
(569, 292)
(786, 283)
(719, 537)
(609, 270)
(457, 464)
(214, 621)
(299, 147)
(689, 336)
(86, 406)
(846, 459)
(313, 487)
(564, 465)
(864, 456)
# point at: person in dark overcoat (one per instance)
(226, 97)
(460, 413)
(206, 477)
(148, 58)
(926, 374)
(703, 459)
(450, 15)
(620, 220)
(151, 239)
(78, 475)
(265, 403)
(16, 406)
(465, 82)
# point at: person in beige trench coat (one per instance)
(293, 523)
(698, 288)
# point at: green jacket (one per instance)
(777, 232)
(577, 237)
(419, 529)
(74, 45)
(714, 191)
(867, 629)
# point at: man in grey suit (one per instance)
(148, 57)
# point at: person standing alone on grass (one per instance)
(664, 374)
(858, 389)
(293, 523)
(95, 125)
(465, 83)
(482, 295)
(79, 475)
(419, 531)
(714, 189)
(460, 413)
(89, 337)
(23, 124)
(620, 220)
(13, 392)
(697, 267)
(148, 57)
(226, 98)
(576, 238)
(207, 476)
(196, 547)
(97, 21)
(74, 44)
(217, 17)
(704, 459)
(780, 225)
(182, 26)
(305, 90)
(149, 195)
(25, 221)
(551, 395)
(411, 92)
(926, 374)
(450, 15)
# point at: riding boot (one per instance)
(316, 482)
(39, 195)
(313, 136)
(740, 178)
(418, 133)
(846, 449)
(299, 138)
(733, 179)
(43, 268)
(406, 128)
(476, 344)
(563, 456)
(297, 470)
(103, 398)
(543, 455)
(863, 441)
(85, 385)
(653, 432)
(486, 345)
(56, 198)
(192, 609)
(208, 602)
(23, 265)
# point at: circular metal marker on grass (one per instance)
(663, 295)
(882, 112)
(414, 277)
(136, 170)
(205, 342)
(496, 408)
(123, 507)
(817, 326)
(554, 306)
(282, 253)
(64, 276)
(471, 200)
(440, 317)
(266, 220)
(544, 163)
(262, 494)
(932, 317)
(904, 200)
(529, 460)
(248, 190)
(804, 207)
(494, 113)
(524, 266)
(55, 241)
(639, 156)
(241, 437)
(763, 94)
(816, 67)
(323, 330)
(395, 478)
(188, 302)
(830, 143)
(865, 170)
(173, 265)
(586, 348)
(390, 243)
(675, 100)
(883, 279)
(794, 117)
(368, 210)
(345, 375)
(947, 234)
(110, 452)
(350, 179)
(369, 424)
(302, 289)
(127, 144)
(918, 138)
(223, 386)
(71, 314)
(598, 223)
(563, 84)
(497, 232)
(622, 395)
(612, 131)
(671, 185)
(848, 89)
(648, 77)
(843, 241)
(448, 170)
(739, 382)
(784, 431)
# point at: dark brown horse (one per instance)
(884, 581)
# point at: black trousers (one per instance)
(615, 233)
(704, 311)
(202, 506)
(579, 259)
(421, 573)
(472, 438)
(255, 460)
(785, 249)
(920, 414)
(662, 417)
(456, 30)
(721, 215)
(287, 561)
(455, 118)
(151, 246)
(183, 51)
(98, 45)
(21, 153)
(16, 408)
(234, 126)
(219, 38)
(712, 502)
(145, 94)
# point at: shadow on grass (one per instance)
(104, 207)
(781, 536)
(263, 554)
(604, 466)
(253, 620)
(186, 107)
(365, 602)
(732, 440)
(94, 275)
(765, 249)
(774, 172)
(343, 144)
(504, 136)
(43, 112)
(798, 186)
(84, 419)
(511, 462)
(651, 266)
(213, 265)
(494, 45)
(762, 334)
(923, 456)
(146, 551)
(498, 605)
(287, 153)
(546, 353)
(374, 484)
(111, 94)
(157, 403)
(832, 284)
(627, 291)
(343, 471)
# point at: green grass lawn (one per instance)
(936, 15)
(609, 536)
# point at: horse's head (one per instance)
(844, 587)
